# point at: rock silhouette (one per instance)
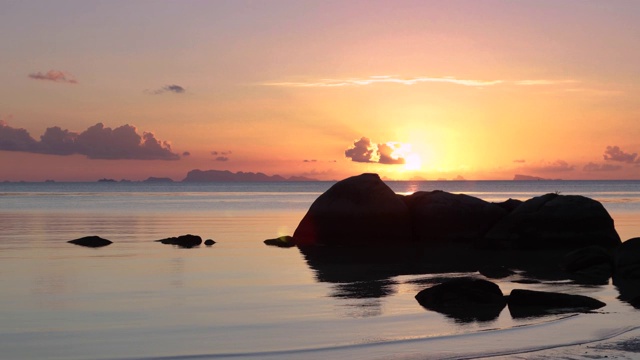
(627, 259)
(441, 217)
(360, 210)
(528, 303)
(464, 299)
(282, 241)
(183, 241)
(554, 221)
(91, 241)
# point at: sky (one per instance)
(477, 89)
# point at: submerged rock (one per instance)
(528, 303)
(360, 210)
(91, 241)
(442, 217)
(554, 221)
(183, 241)
(285, 241)
(464, 299)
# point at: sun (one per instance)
(412, 162)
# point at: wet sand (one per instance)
(625, 346)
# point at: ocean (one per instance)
(139, 299)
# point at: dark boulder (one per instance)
(285, 241)
(509, 205)
(528, 303)
(442, 217)
(554, 221)
(629, 290)
(91, 241)
(464, 299)
(591, 264)
(183, 241)
(627, 259)
(360, 210)
(209, 242)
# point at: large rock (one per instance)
(555, 221)
(183, 241)
(91, 241)
(627, 259)
(360, 210)
(527, 303)
(442, 217)
(464, 299)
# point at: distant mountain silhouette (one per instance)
(528, 177)
(228, 176)
(158, 180)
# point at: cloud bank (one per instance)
(614, 153)
(97, 142)
(364, 150)
(593, 167)
(55, 76)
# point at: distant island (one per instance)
(216, 176)
(519, 177)
(228, 176)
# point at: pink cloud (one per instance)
(55, 76)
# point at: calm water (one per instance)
(241, 299)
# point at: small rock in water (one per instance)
(285, 241)
(209, 242)
(183, 241)
(91, 241)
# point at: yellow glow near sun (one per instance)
(412, 160)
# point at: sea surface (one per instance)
(139, 299)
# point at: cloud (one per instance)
(364, 150)
(556, 166)
(601, 167)
(222, 158)
(312, 160)
(55, 76)
(186, 153)
(521, 161)
(387, 156)
(541, 82)
(224, 153)
(386, 79)
(176, 89)
(614, 153)
(97, 142)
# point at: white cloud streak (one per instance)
(387, 79)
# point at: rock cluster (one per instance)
(468, 299)
(363, 210)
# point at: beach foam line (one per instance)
(572, 330)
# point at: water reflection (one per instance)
(367, 276)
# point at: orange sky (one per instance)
(478, 89)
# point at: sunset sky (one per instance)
(324, 89)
